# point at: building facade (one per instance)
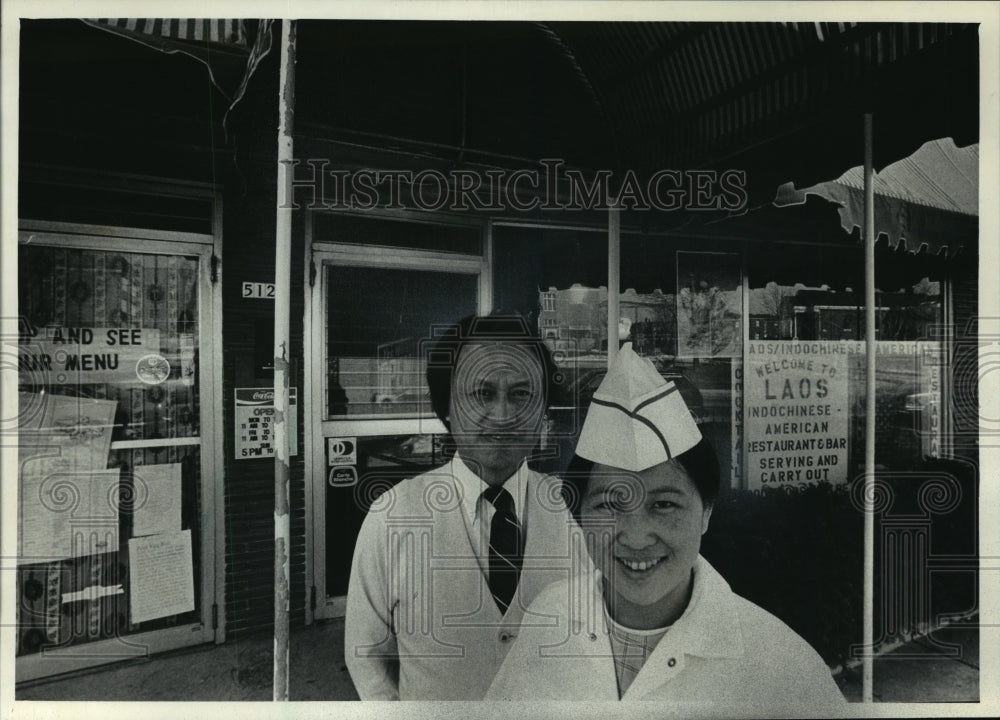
(147, 200)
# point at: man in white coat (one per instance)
(446, 562)
(652, 619)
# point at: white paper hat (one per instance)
(636, 419)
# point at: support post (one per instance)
(868, 641)
(282, 296)
(614, 269)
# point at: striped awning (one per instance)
(222, 45)
(228, 31)
(230, 49)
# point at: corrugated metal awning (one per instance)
(693, 94)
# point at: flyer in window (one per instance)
(161, 576)
(157, 493)
(69, 497)
(81, 429)
(66, 514)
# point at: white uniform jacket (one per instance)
(723, 650)
(421, 623)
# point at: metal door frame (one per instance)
(317, 426)
(207, 248)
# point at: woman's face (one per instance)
(644, 533)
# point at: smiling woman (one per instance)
(657, 518)
(651, 619)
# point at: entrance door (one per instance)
(373, 312)
(118, 441)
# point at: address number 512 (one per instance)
(258, 290)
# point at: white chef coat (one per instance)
(723, 650)
(421, 622)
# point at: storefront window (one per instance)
(379, 324)
(683, 310)
(557, 279)
(805, 386)
(109, 521)
(806, 423)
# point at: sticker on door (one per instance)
(341, 451)
(343, 476)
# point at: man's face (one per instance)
(497, 407)
(644, 530)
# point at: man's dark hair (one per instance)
(442, 357)
(700, 463)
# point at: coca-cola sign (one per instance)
(256, 434)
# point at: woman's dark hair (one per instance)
(443, 355)
(700, 463)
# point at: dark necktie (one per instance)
(505, 547)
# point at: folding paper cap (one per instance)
(636, 419)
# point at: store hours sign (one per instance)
(796, 413)
(255, 422)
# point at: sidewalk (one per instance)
(924, 670)
(920, 671)
(240, 669)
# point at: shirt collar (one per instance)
(470, 487)
(710, 625)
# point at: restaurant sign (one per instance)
(86, 355)
(796, 413)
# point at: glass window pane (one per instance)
(683, 311)
(108, 356)
(382, 462)
(557, 279)
(822, 319)
(379, 322)
(807, 421)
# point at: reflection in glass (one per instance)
(379, 325)
(909, 371)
